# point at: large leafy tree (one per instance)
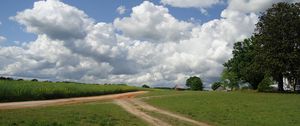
(278, 41)
(195, 83)
(243, 65)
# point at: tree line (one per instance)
(271, 54)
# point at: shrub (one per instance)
(264, 85)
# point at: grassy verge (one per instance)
(12, 90)
(231, 108)
(88, 114)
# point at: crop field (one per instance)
(231, 108)
(12, 90)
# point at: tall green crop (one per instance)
(11, 90)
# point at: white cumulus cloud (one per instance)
(191, 3)
(148, 47)
(153, 23)
(248, 6)
(55, 19)
(121, 9)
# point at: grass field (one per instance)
(231, 108)
(239, 108)
(12, 90)
(88, 114)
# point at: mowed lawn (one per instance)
(231, 108)
(87, 114)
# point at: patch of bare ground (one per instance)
(133, 109)
(142, 105)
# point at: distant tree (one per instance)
(6, 78)
(145, 86)
(278, 41)
(34, 80)
(216, 85)
(194, 83)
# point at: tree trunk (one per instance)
(295, 83)
(280, 82)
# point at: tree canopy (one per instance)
(243, 64)
(274, 48)
(278, 41)
(194, 83)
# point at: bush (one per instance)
(264, 85)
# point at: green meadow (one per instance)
(247, 108)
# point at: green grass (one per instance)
(11, 90)
(88, 114)
(231, 108)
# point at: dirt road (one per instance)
(131, 108)
(135, 107)
(126, 100)
(29, 104)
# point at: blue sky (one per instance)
(100, 10)
(91, 42)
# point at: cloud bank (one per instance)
(191, 3)
(148, 47)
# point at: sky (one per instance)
(154, 42)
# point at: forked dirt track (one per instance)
(126, 100)
(131, 108)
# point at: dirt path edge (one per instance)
(41, 103)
